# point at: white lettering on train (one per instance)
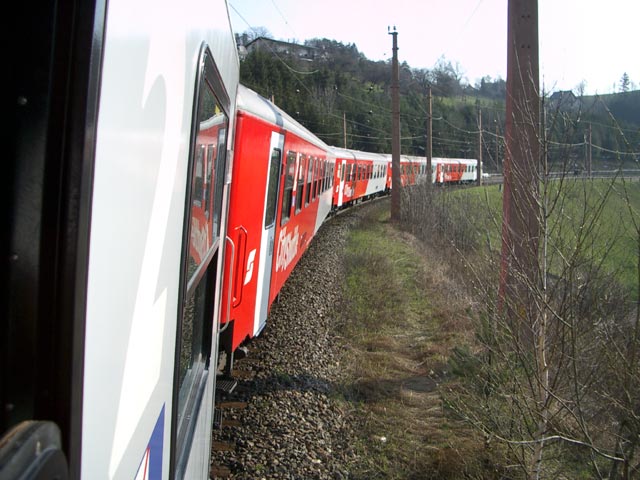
(199, 238)
(287, 248)
(251, 259)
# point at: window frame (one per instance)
(189, 390)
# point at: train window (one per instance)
(309, 179)
(325, 177)
(272, 187)
(319, 177)
(199, 258)
(300, 182)
(288, 188)
(316, 167)
(342, 175)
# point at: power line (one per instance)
(283, 18)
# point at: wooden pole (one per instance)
(479, 170)
(344, 128)
(430, 136)
(521, 220)
(396, 186)
(590, 154)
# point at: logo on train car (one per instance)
(348, 191)
(250, 261)
(151, 465)
(287, 248)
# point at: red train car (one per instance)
(280, 195)
(454, 170)
(358, 175)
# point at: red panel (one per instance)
(245, 221)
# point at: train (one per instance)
(155, 209)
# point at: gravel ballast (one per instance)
(293, 425)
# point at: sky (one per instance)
(592, 42)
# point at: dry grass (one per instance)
(405, 315)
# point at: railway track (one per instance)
(281, 421)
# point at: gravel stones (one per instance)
(293, 427)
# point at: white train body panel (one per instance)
(151, 55)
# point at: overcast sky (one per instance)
(594, 41)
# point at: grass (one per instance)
(588, 220)
(404, 317)
(410, 327)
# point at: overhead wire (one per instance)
(441, 118)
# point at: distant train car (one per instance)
(444, 171)
(281, 194)
(358, 175)
(454, 170)
(117, 188)
(413, 170)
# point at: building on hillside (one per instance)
(564, 99)
(302, 52)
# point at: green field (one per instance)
(588, 223)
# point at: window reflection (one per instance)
(207, 179)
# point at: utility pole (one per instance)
(396, 186)
(589, 154)
(344, 128)
(497, 140)
(479, 147)
(521, 220)
(429, 149)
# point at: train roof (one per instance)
(412, 158)
(258, 106)
(348, 153)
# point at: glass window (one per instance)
(288, 187)
(318, 177)
(300, 183)
(272, 188)
(203, 207)
(314, 174)
(309, 179)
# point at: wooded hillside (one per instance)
(340, 81)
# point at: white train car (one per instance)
(123, 125)
(358, 175)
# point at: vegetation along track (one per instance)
(347, 379)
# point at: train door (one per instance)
(269, 230)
